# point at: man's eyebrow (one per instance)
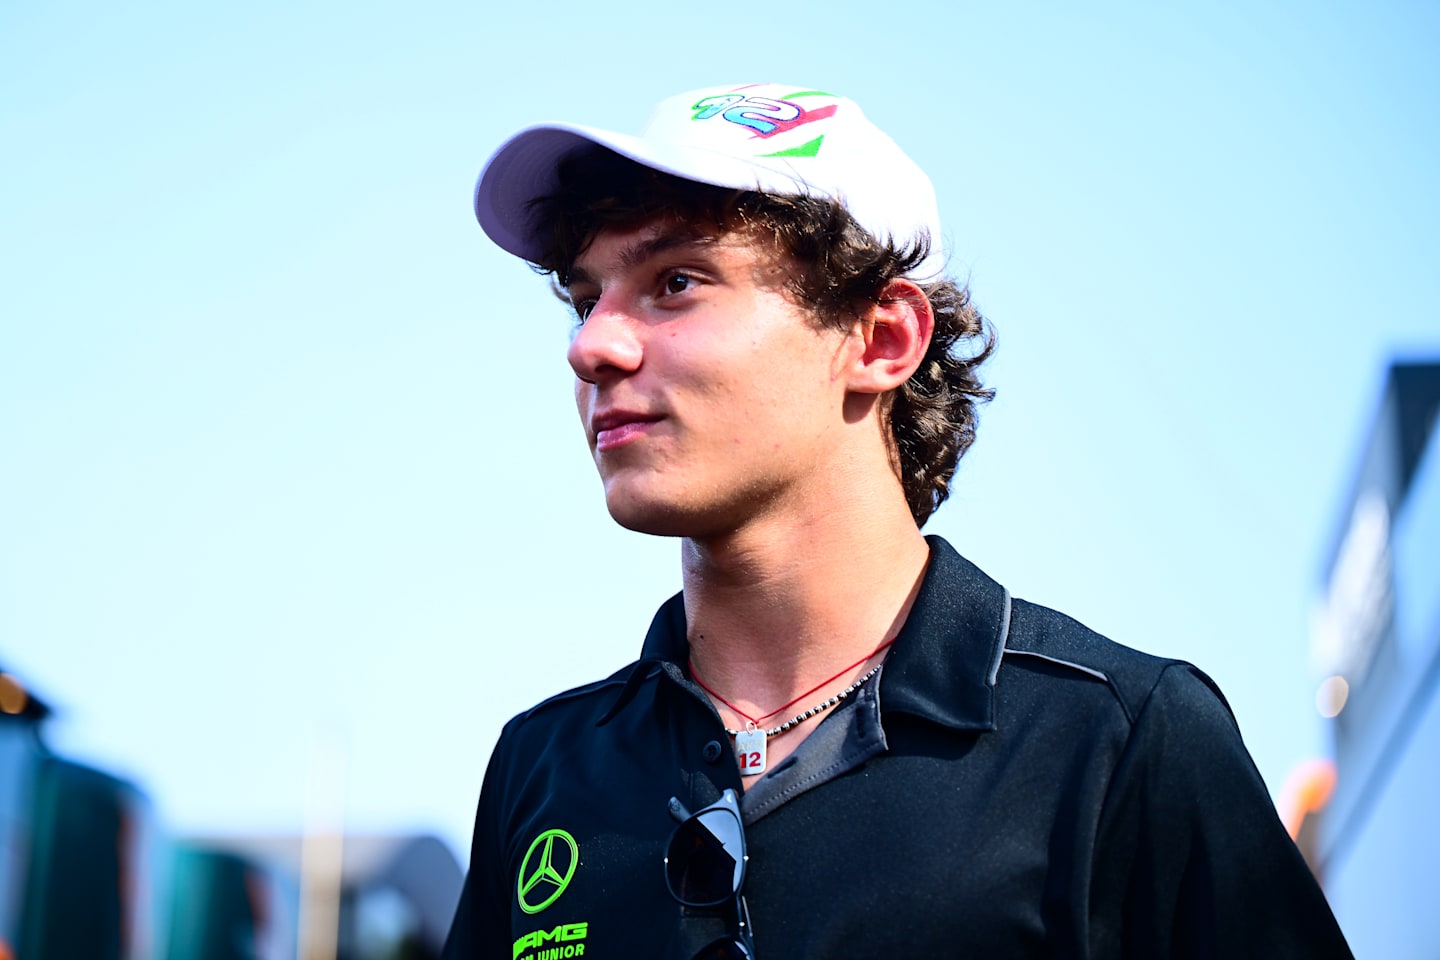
(641, 250)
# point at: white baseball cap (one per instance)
(766, 137)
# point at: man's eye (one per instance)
(678, 283)
(583, 309)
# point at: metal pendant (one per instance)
(750, 748)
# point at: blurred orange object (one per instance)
(1306, 791)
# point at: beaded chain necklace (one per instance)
(750, 743)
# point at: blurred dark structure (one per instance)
(397, 892)
(21, 750)
(79, 849)
(1376, 650)
(87, 873)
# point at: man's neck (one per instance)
(773, 611)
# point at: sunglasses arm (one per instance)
(678, 811)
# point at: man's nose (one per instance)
(606, 345)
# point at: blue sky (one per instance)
(289, 455)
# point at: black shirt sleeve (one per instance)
(1191, 860)
(481, 928)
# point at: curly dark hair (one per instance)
(839, 270)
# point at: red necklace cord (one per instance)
(757, 720)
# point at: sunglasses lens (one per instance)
(705, 865)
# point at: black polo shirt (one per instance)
(1015, 785)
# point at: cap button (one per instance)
(711, 751)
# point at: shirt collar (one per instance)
(941, 668)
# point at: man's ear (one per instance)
(896, 333)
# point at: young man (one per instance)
(841, 739)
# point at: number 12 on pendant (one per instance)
(750, 746)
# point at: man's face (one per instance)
(709, 397)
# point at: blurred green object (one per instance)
(86, 872)
(224, 907)
(89, 888)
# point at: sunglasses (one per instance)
(705, 868)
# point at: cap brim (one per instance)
(526, 168)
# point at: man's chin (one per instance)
(659, 518)
(655, 521)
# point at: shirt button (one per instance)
(711, 751)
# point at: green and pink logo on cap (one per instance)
(768, 117)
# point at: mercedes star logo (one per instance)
(542, 881)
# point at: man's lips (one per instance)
(615, 428)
